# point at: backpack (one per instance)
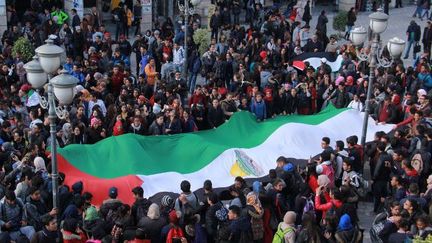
(363, 187)
(309, 206)
(417, 162)
(279, 235)
(222, 214)
(109, 211)
(141, 212)
(293, 182)
(377, 227)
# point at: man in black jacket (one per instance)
(427, 38)
(215, 115)
(313, 45)
(141, 205)
(215, 24)
(381, 177)
(413, 35)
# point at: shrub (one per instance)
(201, 37)
(23, 48)
(340, 21)
(427, 240)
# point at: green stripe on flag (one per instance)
(183, 153)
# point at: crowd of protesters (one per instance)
(246, 67)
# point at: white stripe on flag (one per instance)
(33, 99)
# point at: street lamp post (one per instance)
(62, 87)
(378, 24)
(187, 10)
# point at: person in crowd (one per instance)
(413, 35)
(49, 233)
(152, 223)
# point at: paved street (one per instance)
(398, 23)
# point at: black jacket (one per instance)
(156, 129)
(143, 203)
(414, 28)
(427, 36)
(215, 21)
(45, 236)
(211, 221)
(152, 227)
(322, 23)
(351, 18)
(141, 130)
(290, 103)
(215, 117)
(382, 168)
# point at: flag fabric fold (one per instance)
(240, 147)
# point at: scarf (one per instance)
(251, 199)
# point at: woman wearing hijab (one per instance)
(66, 136)
(288, 227)
(255, 211)
(40, 167)
(152, 223)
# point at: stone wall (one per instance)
(346, 5)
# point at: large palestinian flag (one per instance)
(314, 58)
(240, 147)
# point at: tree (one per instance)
(24, 49)
(340, 22)
(201, 37)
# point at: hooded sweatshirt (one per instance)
(345, 229)
(345, 223)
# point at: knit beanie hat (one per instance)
(167, 201)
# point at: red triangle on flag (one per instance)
(299, 65)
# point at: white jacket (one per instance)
(356, 105)
(178, 56)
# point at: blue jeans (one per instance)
(28, 231)
(192, 82)
(349, 28)
(410, 43)
(418, 11)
